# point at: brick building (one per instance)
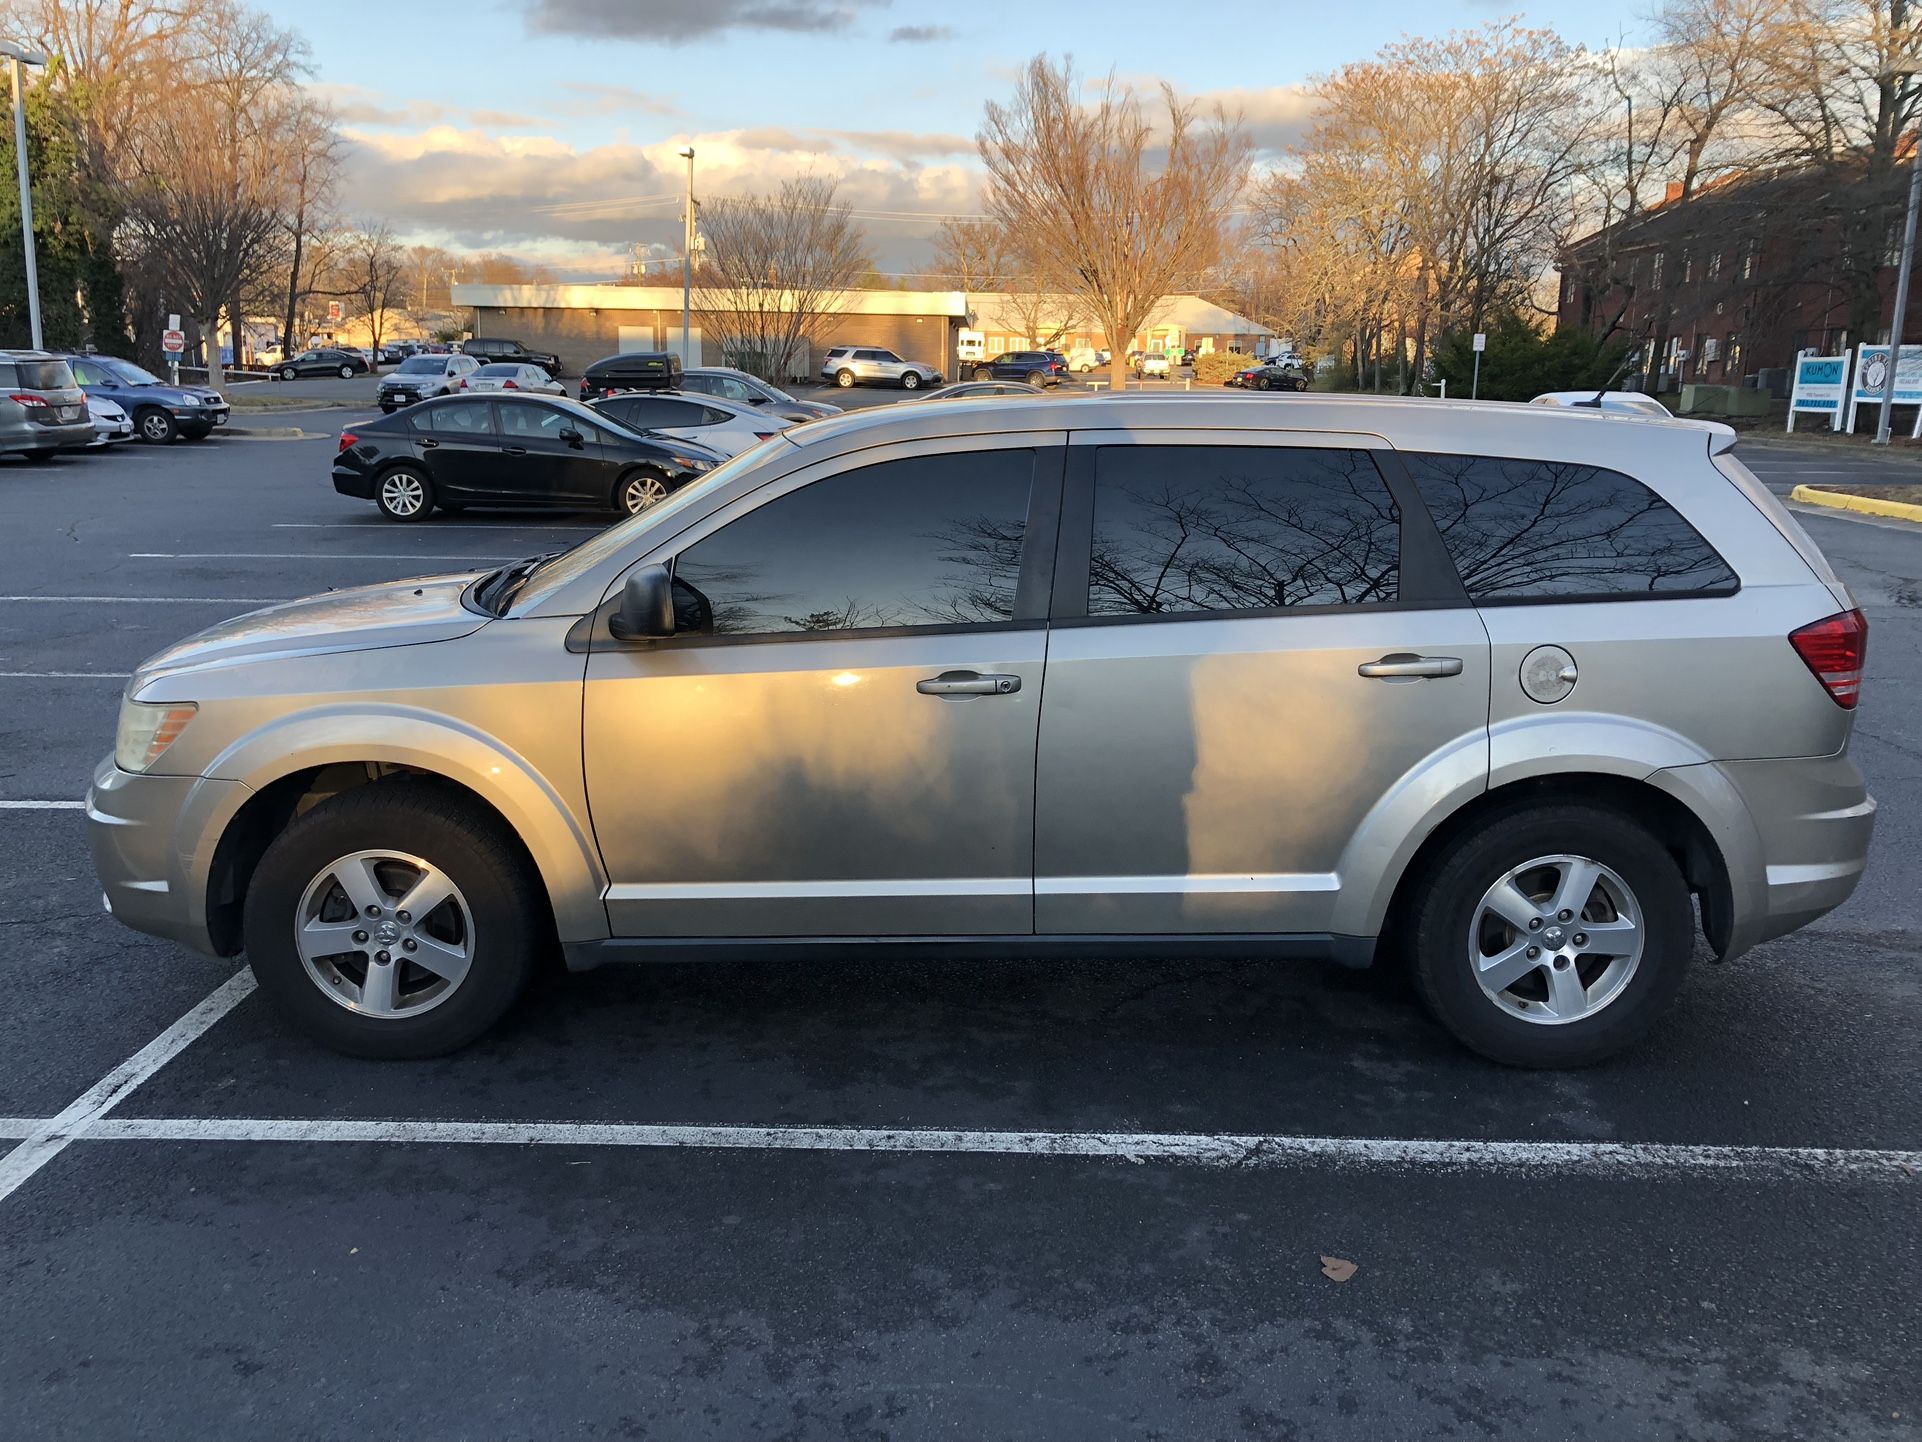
(1740, 277)
(582, 323)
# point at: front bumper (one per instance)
(153, 840)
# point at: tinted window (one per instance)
(1239, 528)
(471, 418)
(539, 422)
(500, 369)
(1543, 529)
(928, 541)
(53, 375)
(645, 412)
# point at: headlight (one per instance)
(692, 463)
(146, 730)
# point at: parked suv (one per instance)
(161, 412)
(1036, 367)
(422, 377)
(42, 410)
(489, 350)
(847, 366)
(1503, 693)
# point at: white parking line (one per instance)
(43, 805)
(505, 528)
(13, 1129)
(1251, 1150)
(51, 1137)
(65, 675)
(161, 600)
(307, 556)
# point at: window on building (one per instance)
(1184, 529)
(1711, 351)
(1688, 265)
(1551, 531)
(1751, 253)
(1655, 275)
(925, 541)
(1732, 354)
(1714, 264)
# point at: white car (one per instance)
(1151, 363)
(1631, 402)
(723, 426)
(110, 422)
(512, 376)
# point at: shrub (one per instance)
(1213, 367)
(1521, 362)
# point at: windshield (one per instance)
(126, 372)
(570, 565)
(421, 365)
(499, 369)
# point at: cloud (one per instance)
(357, 105)
(906, 144)
(678, 22)
(593, 99)
(919, 34)
(1277, 116)
(506, 120)
(773, 137)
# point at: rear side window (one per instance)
(463, 418)
(645, 412)
(925, 541)
(54, 375)
(1551, 531)
(1180, 529)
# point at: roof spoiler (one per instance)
(1721, 438)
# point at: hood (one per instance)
(173, 395)
(363, 618)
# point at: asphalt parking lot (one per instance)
(866, 1200)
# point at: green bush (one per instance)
(1521, 362)
(1213, 367)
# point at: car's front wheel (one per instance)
(844, 379)
(639, 491)
(910, 381)
(1551, 935)
(347, 373)
(156, 427)
(288, 373)
(398, 919)
(404, 494)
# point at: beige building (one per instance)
(582, 323)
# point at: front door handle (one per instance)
(968, 683)
(1406, 666)
(515, 450)
(427, 443)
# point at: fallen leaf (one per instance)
(1337, 1269)
(352, 1250)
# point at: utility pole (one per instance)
(1901, 298)
(687, 262)
(16, 57)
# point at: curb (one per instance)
(1865, 505)
(271, 433)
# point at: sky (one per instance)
(548, 128)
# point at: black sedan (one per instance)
(1269, 378)
(531, 451)
(342, 363)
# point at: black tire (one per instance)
(288, 373)
(387, 410)
(910, 381)
(42, 453)
(983, 373)
(154, 426)
(1299, 385)
(347, 373)
(390, 501)
(844, 379)
(1446, 900)
(454, 833)
(634, 485)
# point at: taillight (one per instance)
(1834, 649)
(764, 435)
(463, 383)
(348, 439)
(28, 401)
(509, 386)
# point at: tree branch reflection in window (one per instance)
(1519, 529)
(926, 541)
(1239, 528)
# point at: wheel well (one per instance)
(268, 812)
(1678, 829)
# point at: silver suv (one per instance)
(42, 408)
(848, 365)
(1503, 691)
(422, 377)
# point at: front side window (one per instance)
(461, 419)
(650, 412)
(925, 541)
(1548, 530)
(1183, 529)
(533, 422)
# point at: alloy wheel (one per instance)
(402, 494)
(384, 933)
(643, 492)
(156, 427)
(1556, 939)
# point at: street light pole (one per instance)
(16, 57)
(1901, 301)
(687, 262)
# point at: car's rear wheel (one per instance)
(347, 373)
(1551, 935)
(398, 919)
(404, 494)
(982, 373)
(638, 491)
(288, 373)
(844, 379)
(910, 381)
(388, 410)
(155, 426)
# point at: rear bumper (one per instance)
(152, 840)
(353, 483)
(50, 438)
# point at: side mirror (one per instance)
(646, 610)
(571, 436)
(759, 400)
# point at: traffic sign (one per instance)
(173, 342)
(1481, 340)
(333, 310)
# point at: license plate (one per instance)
(70, 413)
(220, 418)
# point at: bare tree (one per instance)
(1104, 204)
(972, 256)
(775, 272)
(373, 271)
(312, 153)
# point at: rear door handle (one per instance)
(427, 443)
(968, 683)
(1405, 665)
(515, 450)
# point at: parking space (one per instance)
(853, 1198)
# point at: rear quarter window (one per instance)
(1522, 530)
(43, 375)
